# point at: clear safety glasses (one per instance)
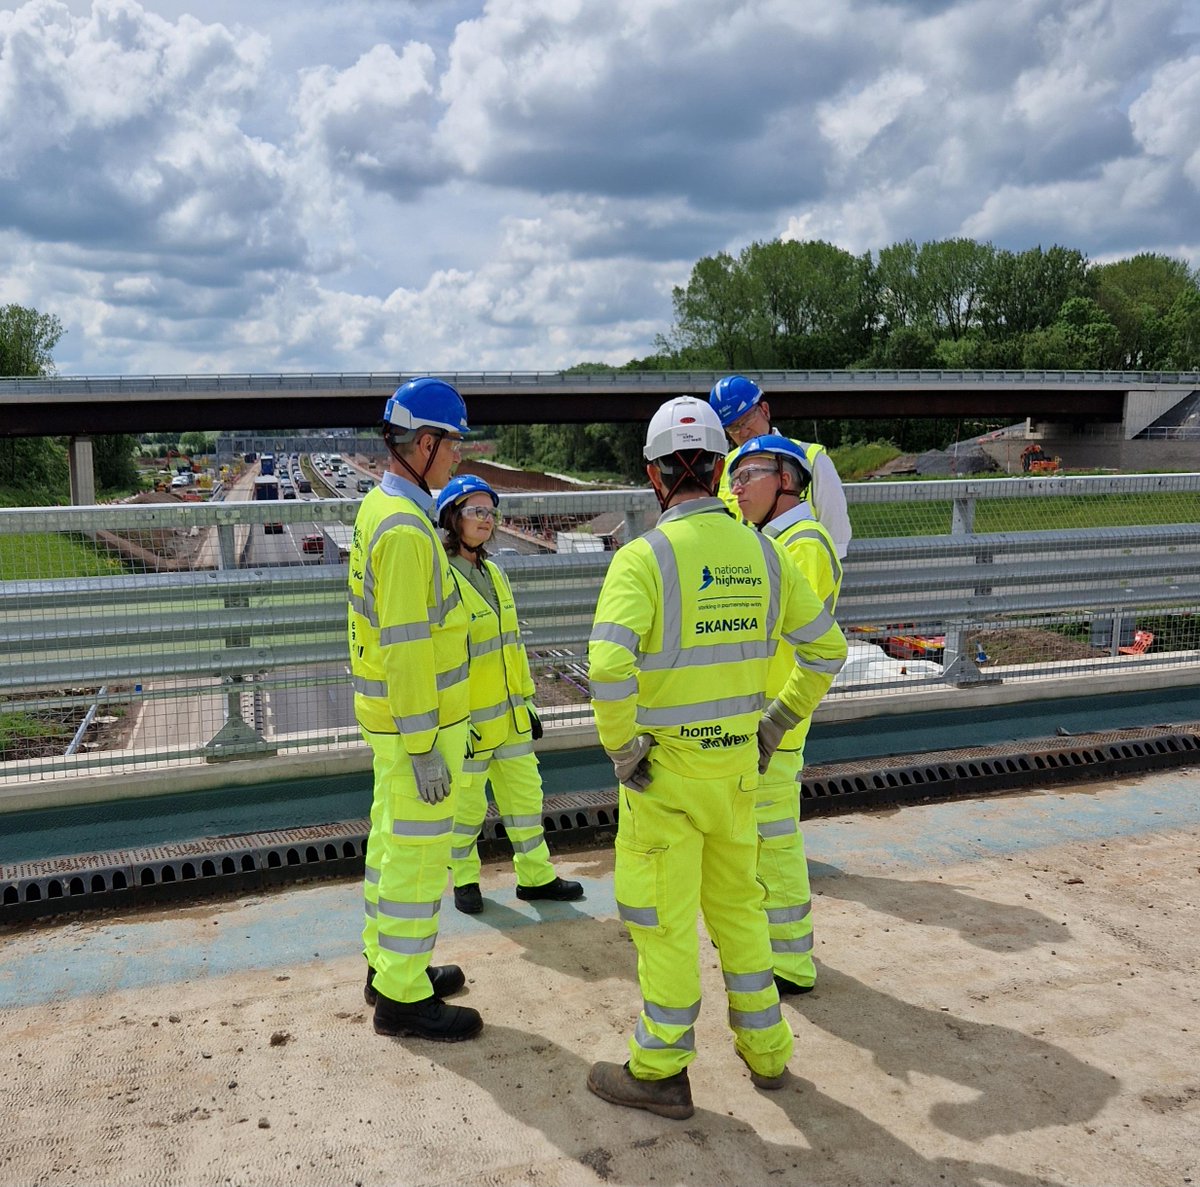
(489, 514)
(747, 474)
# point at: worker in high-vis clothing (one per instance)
(688, 620)
(744, 414)
(770, 478)
(408, 665)
(504, 718)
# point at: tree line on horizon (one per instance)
(951, 304)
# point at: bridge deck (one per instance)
(1007, 995)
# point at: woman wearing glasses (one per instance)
(504, 722)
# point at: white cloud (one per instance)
(519, 183)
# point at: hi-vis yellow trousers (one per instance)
(408, 850)
(683, 845)
(783, 868)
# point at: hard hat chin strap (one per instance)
(688, 472)
(439, 436)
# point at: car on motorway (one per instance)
(313, 542)
(340, 483)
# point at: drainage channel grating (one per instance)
(254, 861)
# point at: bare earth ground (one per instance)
(1008, 995)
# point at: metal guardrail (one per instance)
(197, 638)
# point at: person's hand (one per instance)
(535, 722)
(773, 724)
(432, 775)
(632, 764)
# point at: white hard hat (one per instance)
(684, 424)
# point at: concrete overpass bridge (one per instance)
(1099, 410)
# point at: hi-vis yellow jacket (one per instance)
(408, 626)
(814, 553)
(686, 624)
(500, 677)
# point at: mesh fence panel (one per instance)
(140, 637)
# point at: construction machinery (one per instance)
(1035, 460)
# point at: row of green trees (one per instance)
(954, 304)
(951, 303)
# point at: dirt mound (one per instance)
(513, 481)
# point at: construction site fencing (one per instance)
(143, 637)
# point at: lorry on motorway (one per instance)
(266, 490)
(267, 464)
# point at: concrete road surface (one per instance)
(1007, 995)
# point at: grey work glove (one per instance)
(631, 763)
(773, 724)
(433, 776)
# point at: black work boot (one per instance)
(468, 899)
(428, 1019)
(790, 988)
(615, 1083)
(446, 979)
(561, 890)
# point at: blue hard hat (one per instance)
(426, 403)
(461, 488)
(775, 445)
(733, 396)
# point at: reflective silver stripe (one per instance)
(486, 647)
(461, 852)
(514, 751)
(417, 722)
(649, 1042)
(708, 653)
(423, 828)
(407, 945)
(411, 633)
(369, 688)
(509, 638)
(804, 944)
(703, 711)
(813, 631)
(441, 610)
(829, 666)
(613, 690)
(752, 1019)
(672, 607)
(671, 1015)
(358, 604)
(748, 982)
(371, 875)
(462, 829)
(369, 908)
(477, 766)
(788, 914)
(773, 581)
(490, 713)
(530, 845)
(455, 676)
(395, 910)
(642, 916)
(521, 821)
(613, 632)
(778, 828)
(835, 562)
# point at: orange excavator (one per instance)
(1035, 460)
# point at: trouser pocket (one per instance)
(640, 885)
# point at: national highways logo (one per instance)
(728, 576)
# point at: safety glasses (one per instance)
(747, 474)
(489, 514)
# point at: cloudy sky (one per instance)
(399, 185)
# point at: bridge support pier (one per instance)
(82, 472)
